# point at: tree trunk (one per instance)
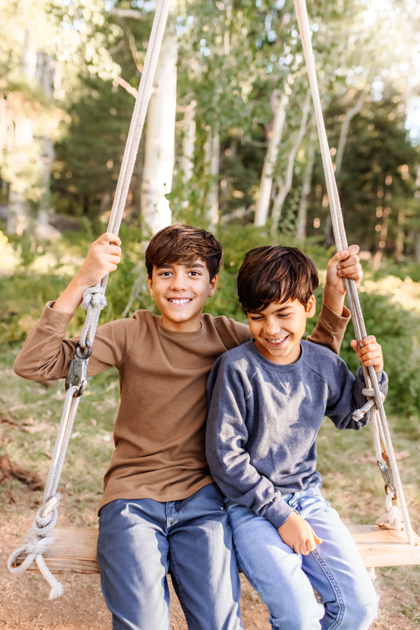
(23, 138)
(17, 221)
(284, 189)
(351, 113)
(188, 142)
(306, 189)
(45, 72)
(213, 166)
(279, 108)
(160, 139)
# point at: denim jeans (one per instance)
(141, 540)
(285, 580)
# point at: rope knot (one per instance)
(34, 544)
(94, 297)
(46, 517)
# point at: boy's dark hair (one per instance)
(275, 274)
(183, 244)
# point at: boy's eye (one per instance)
(165, 273)
(195, 273)
(256, 318)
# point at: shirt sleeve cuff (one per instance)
(333, 322)
(278, 512)
(54, 321)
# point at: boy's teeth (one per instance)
(277, 340)
(180, 301)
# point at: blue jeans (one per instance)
(141, 540)
(285, 580)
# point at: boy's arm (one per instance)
(330, 328)
(334, 316)
(226, 438)
(45, 354)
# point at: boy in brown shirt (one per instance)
(161, 510)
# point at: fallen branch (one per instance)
(10, 470)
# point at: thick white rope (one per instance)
(387, 451)
(38, 538)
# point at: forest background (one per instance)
(230, 144)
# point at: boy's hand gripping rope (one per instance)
(395, 501)
(38, 537)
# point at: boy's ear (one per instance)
(213, 285)
(151, 289)
(311, 307)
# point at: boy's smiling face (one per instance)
(180, 292)
(278, 329)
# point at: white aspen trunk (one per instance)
(188, 142)
(351, 113)
(284, 189)
(160, 139)
(17, 221)
(45, 73)
(213, 152)
(18, 206)
(263, 202)
(306, 189)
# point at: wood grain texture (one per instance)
(384, 547)
(74, 550)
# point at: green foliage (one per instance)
(397, 330)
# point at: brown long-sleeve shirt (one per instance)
(160, 427)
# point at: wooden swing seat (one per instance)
(74, 550)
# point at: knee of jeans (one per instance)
(307, 617)
(359, 615)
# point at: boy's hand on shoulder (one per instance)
(342, 265)
(298, 534)
(103, 257)
(370, 353)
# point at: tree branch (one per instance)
(123, 83)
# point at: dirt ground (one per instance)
(24, 603)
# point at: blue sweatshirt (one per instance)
(263, 421)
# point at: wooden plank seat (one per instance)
(74, 550)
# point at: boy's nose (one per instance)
(178, 283)
(272, 328)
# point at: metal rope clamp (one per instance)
(78, 369)
(387, 476)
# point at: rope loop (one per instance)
(36, 542)
(393, 519)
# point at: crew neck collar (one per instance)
(177, 334)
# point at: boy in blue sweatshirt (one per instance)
(267, 401)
